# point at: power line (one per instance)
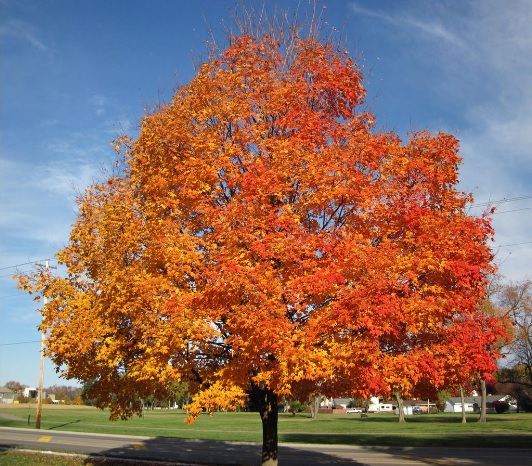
(20, 343)
(509, 211)
(501, 201)
(514, 244)
(25, 263)
(15, 295)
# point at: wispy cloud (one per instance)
(499, 134)
(22, 31)
(99, 101)
(37, 195)
(38, 200)
(408, 22)
(69, 179)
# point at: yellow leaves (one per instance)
(122, 141)
(221, 395)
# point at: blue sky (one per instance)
(74, 74)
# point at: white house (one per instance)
(472, 403)
(7, 396)
(454, 405)
(30, 392)
(51, 396)
(375, 406)
(337, 403)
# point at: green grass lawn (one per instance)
(502, 430)
(25, 458)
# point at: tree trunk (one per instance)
(266, 401)
(464, 419)
(286, 406)
(314, 406)
(400, 409)
(482, 417)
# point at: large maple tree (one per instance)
(263, 239)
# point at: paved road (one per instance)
(233, 453)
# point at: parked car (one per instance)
(354, 410)
(416, 410)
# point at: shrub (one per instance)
(501, 406)
(297, 407)
(442, 397)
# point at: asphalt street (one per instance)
(187, 451)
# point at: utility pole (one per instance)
(41, 377)
(41, 368)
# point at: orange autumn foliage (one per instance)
(264, 234)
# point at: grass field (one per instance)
(502, 430)
(26, 458)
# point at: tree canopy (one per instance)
(263, 238)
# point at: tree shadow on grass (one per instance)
(63, 425)
(441, 440)
(428, 419)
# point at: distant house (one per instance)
(377, 406)
(51, 397)
(7, 396)
(334, 405)
(409, 406)
(341, 403)
(419, 406)
(472, 403)
(30, 392)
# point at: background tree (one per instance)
(85, 393)
(64, 393)
(514, 383)
(15, 387)
(314, 404)
(78, 401)
(263, 239)
(179, 394)
(515, 301)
